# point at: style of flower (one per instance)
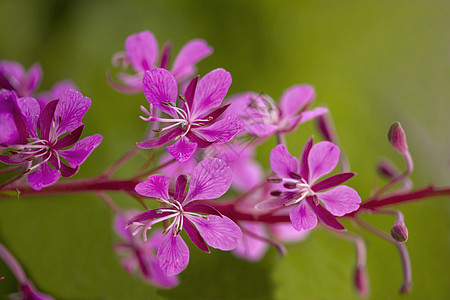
(300, 189)
(204, 225)
(140, 255)
(195, 121)
(263, 117)
(40, 139)
(14, 77)
(141, 53)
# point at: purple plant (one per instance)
(263, 117)
(41, 139)
(204, 225)
(141, 54)
(195, 121)
(300, 189)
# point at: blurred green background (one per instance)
(371, 62)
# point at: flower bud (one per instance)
(387, 169)
(399, 232)
(361, 281)
(397, 138)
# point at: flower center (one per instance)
(185, 119)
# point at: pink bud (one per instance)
(397, 138)
(362, 281)
(387, 169)
(399, 232)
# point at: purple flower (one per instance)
(40, 139)
(195, 121)
(300, 189)
(263, 117)
(204, 225)
(55, 93)
(247, 173)
(141, 53)
(14, 77)
(140, 255)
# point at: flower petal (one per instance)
(173, 254)
(201, 208)
(246, 174)
(222, 131)
(250, 247)
(77, 154)
(195, 236)
(324, 215)
(302, 217)
(149, 215)
(142, 50)
(219, 232)
(156, 186)
(332, 181)
(46, 119)
(42, 177)
(313, 113)
(161, 140)
(304, 169)
(70, 110)
(158, 277)
(295, 98)
(189, 55)
(160, 87)
(180, 187)
(210, 179)
(33, 79)
(322, 159)
(30, 109)
(341, 200)
(70, 138)
(182, 149)
(282, 163)
(211, 90)
(286, 233)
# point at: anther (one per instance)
(290, 185)
(295, 175)
(276, 193)
(274, 180)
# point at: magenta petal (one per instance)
(322, 159)
(250, 247)
(295, 98)
(46, 118)
(304, 169)
(182, 149)
(222, 131)
(142, 50)
(173, 254)
(158, 277)
(219, 232)
(70, 110)
(33, 79)
(282, 163)
(161, 140)
(201, 208)
(286, 233)
(211, 90)
(313, 113)
(302, 218)
(190, 90)
(261, 129)
(341, 200)
(246, 174)
(195, 236)
(210, 179)
(332, 181)
(30, 109)
(201, 142)
(42, 177)
(160, 87)
(149, 215)
(77, 154)
(156, 186)
(69, 139)
(325, 216)
(191, 53)
(180, 188)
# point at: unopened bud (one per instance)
(399, 232)
(397, 138)
(361, 281)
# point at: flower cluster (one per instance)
(210, 141)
